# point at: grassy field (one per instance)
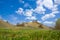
(29, 34)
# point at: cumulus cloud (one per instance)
(39, 21)
(52, 14)
(46, 16)
(54, 8)
(31, 18)
(57, 2)
(49, 23)
(48, 3)
(39, 2)
(28, 12)
(39, 8)
(20, 11)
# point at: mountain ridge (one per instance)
(33, 24)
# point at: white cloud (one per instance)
(31, 18)
(49, 23)
(20, 11)
(28, 12)
(54, 8)
(55, 12)
(57, 1)
(52, 14)
(47, 16)
(39, 21)
(39, 9)
(39, 2)
(48, 3)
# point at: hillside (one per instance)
(4, 24)
(26, 25)
(33, 24)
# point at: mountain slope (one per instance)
(34, 24)
(5, 24)
(28, 25)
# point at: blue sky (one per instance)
(17, 11)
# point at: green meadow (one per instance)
(29, 34)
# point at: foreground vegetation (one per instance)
(29, 34)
